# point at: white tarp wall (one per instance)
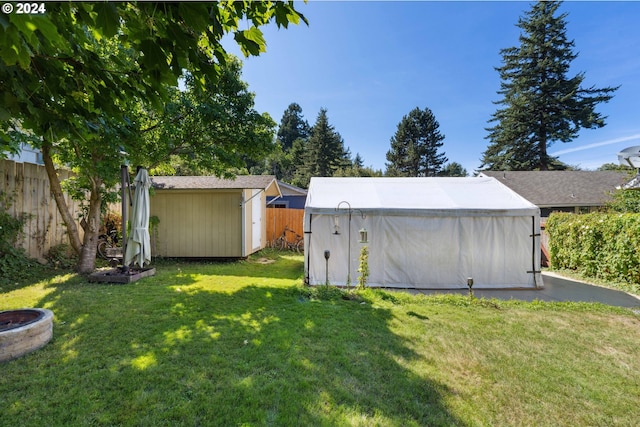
(429, 233)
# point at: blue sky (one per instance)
(371, 62)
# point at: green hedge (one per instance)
(604, 246)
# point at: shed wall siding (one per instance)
(198, 223)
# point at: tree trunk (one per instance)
(544, 161)
(87, 260)
(86, 250)
(58, 196)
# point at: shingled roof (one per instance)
(562, 188)
(291, 190)
(263, 182)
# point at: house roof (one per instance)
(291, 190)
(262, 182)
(416, 197)
(562, 188)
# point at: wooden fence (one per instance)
(278, 219)
(27, 187)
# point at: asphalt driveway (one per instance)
(556, 288)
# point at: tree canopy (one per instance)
(288, 154)
(324, 152)
(453, 169)
(205, 131)
(293, 126)
(80, 61)
(415, 145)
(541, 104)
(74, 79)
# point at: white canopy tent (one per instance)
(425, 233)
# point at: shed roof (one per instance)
(562, 188)
(262, 182)
(417, 196)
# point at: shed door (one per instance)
(256, 220)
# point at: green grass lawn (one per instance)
(244, 343)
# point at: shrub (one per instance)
(62, 256)
(364, 268)
(601, 245)
(14, 264)
(625, 201)
(322, 293)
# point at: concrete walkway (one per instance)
(556, 288)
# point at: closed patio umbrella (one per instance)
(138, 243)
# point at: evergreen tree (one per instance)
(358, 163)
(285, 159)
(357, 169)
(292, 126)
(294, 160)
(617, 167)
(414, 147)
(541, 104)
(325, 152)
(453, 169)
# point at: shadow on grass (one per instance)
(32, 273)
(267, 263)
(152, 353)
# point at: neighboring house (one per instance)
(27, 154)
(209, 217)
(292, 197)
(563, 191)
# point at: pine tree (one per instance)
(357, 169)
(292, 126)
(325, 151)
(453, 169)
(295, 159)
(284, 161)
(541, 104)
(358, 162)
(414, 147)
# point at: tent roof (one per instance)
(417, 196)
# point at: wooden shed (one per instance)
(210, 217)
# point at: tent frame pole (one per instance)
(533, 251)
(308, 250)
(350, 211)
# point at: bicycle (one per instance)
(108, 244)
(283, 243)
